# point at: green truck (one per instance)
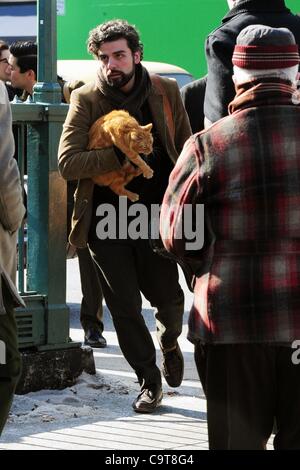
(173, 31)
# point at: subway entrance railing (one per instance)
(44, 323)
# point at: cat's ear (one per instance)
(148, 127)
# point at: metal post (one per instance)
(47, 90)
(51, 359)
(46, 270)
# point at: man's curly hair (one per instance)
(111, 31)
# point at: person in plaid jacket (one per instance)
(245, 320)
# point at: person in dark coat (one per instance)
(192, 95)
(220, 44)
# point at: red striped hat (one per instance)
(262, 47)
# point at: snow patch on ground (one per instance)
(84, 399)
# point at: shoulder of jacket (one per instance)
(164, 81)
(87, 94)
(221, 32)
(88, 89)
(229, 23)
(169, 82)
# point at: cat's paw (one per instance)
(133, 197)
(148, 173)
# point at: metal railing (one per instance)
(44, 323)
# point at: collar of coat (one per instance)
(258, 6)
(264, 92)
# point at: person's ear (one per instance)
(137, 57)
(31, 74)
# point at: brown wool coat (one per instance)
(11, 206)
(75, 162)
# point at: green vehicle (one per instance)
(173, 31)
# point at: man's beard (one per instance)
(121, 79)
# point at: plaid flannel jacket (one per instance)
(245, 169)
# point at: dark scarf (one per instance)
(264, 92)
(133, 101)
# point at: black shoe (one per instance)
(148, 400)
(173, 366)
(94, 339)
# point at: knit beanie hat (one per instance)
(262, 47)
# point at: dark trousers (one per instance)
(129, 268)
(10, 371)
(247, 386)
(91, 311)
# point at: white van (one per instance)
(85, 70)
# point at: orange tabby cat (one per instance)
(122, 130)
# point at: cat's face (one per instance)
(141, 139)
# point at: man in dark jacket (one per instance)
(220, 44)
(192, 95)
(245, 321)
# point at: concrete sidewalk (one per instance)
(96, 414)
(176, 425)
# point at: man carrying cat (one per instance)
(128, 266)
